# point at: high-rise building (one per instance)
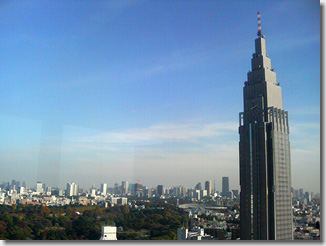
(198, 186)
(235, 193)
(124, 187)
(160, 190)
(203, 193)
(265, 170)
(104, 188)
(48, 191)
(208, 187)
(39, 187)
(72, 189)
(225, 186)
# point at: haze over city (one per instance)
(151, 91)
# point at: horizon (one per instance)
(150, 91)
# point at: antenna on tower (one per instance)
(259, 25)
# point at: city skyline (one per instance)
(122, 184)
(150, 91)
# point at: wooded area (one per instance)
(157, 221)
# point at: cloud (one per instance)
(166, 132)
(303, 127)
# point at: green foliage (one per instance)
(158, 221)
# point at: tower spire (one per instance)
(259, 25)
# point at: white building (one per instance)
(196, 194)
(104, 188)
(196, 233)
(39, 187)
(72, 189)
(109, 233)
(203, 193)
(22, 190)
(119, 201)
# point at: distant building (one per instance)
(229, 195)
(72, 189)
(124, 187)
(39, 187)
(109, 233)
(104, 188)
(160, 190)
(132, 189)
(138, 190)
(203, 193)
(60, 192)
(196, 233)
(307, 195)
(217, 233)
(235, 193)
(147, 192)
(48, 191)
(208, 187)
(225, 186)
(22, 190)
(198, 186)
(119, 201)
(196, 194)
(83, 201)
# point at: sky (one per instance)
(98, 92)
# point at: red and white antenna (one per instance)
(259, 25)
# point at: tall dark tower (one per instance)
(264, 148)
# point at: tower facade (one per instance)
(72, 189)
(264, 148)
(208, 187)
(225, 186)
(104, 189)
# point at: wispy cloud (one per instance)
(298, 128)
(163, 132)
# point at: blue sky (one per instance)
(105, 91)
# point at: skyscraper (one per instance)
(208, 187)
(39, 187)
(124, 187)
(160, 190)
(225, 186)
(104, 188)
(265, 170)
(72, 189)
(198, 186)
